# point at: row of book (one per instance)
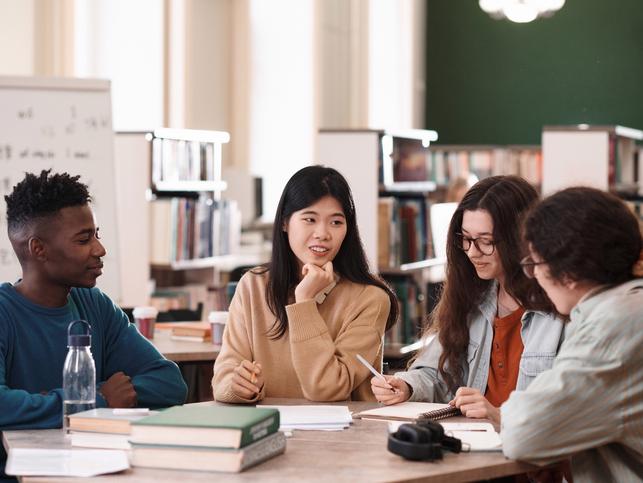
(195, 437)
(448, 164)
(180, 160)
(189, 228)
(411, 229)
(443, 165)
(410, 297)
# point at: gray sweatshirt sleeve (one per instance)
(423, 376)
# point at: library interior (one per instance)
(186, 119)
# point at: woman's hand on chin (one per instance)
(314, 280)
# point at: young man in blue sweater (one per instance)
(52, 230)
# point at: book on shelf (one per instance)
(404, 235)
(183, 160)
(409, 295)
(106, 420)
(385, 246)
(451, 162)
(208, 458)
(193, 228)
(180, 296)
(411, 411)
(207, 426)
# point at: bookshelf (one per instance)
(605, 157)
(192, 226)
(195, 231)
(400, 182)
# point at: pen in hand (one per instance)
(375, 372)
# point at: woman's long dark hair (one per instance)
(306, 187)
(506, 199)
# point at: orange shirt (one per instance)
(506, 350)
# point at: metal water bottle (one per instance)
(79, 373)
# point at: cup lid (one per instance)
(144, 312)
(220, 317)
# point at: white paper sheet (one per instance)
(65, 462)
(313, 417)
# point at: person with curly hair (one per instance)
(52, 230)
(586, 252)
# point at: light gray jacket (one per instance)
(590, 404)
(542, 335)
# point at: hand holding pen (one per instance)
(387, 389)
(390, 390)
(247, 380)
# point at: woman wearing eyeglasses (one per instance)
(492, 330)
(586, 253)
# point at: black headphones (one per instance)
(422, 441)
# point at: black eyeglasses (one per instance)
(528, 265)
(485, 246)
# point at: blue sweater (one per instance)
(33, 347)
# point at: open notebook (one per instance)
(411, 411)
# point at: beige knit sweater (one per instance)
(315, 359)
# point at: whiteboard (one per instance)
(65, 125)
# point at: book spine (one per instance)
(260, 430)
(262, 452)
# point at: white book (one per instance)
(100, 440)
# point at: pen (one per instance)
(370, 368)
(375, 373)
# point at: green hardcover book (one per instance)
(208, 426)
(208, 459)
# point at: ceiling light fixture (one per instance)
(520, 11)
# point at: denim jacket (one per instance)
(542, 334)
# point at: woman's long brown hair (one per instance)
(506, 199)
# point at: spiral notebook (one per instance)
(411, 411)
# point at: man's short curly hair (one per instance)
(40, 196)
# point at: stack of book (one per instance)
(104, 427)
(207, 438)
(187, 331)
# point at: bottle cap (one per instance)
(79, 340)
(219, 317)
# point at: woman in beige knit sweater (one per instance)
(296, 324)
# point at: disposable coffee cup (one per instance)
(145, 319)
(217, 321)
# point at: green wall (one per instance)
(497, 82)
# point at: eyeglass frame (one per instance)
(527, 264)
(474, 241)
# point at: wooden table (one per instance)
(182, 351)
(355, 454)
